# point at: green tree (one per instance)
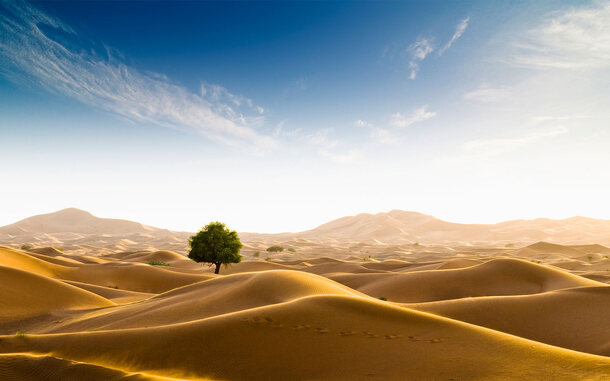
(215, 244)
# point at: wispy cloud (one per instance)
(321, 141)
(459, 30)
(486, 94)
(361, 123)
(422, 47)
(378, 134)
(487, 146)
(418, 115)
(383, 135)
(576, 38)
(39, 50)
(419, 50)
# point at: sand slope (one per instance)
(574, 318)
(364, 340)
(461, 312)
(27, 367)
(25, 294)
(210, 298)
(133, 277)
(495, 277)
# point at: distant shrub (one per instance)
(605, 256)
(155, 262)
(256, 254)
(275, 249)
(268, 258)
(27, 247)
(383, 298)
(510, 245)
(291, 249)
(590, 257)
(21, 334)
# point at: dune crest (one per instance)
(95, 305)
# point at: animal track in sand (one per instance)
(269, 321)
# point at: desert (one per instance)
(307, 190)
(327, 309)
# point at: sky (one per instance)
(280, 116)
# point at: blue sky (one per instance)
(279, 116)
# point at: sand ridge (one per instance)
(462, 312)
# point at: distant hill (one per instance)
(78, 230)
(75, 221)
(399, 227)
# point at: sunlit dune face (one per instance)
(282, 304)
(304, 191)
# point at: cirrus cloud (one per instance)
(39, 50)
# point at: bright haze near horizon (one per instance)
(280, 116)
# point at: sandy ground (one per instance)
(317, 311)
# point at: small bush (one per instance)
(154, 262)
(509, 245)
(590, 257)
(291, 249)
(605, 256)
(21, 334)
(256, 254)
(275, 249)
(383, 298)
(268, 258)
(27, 247)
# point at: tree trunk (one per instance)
(217, 267)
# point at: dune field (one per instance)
(321, 310)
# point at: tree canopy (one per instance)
(215, 244)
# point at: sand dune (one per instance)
(133, 277)
(102, 305)
(113, 294)
(25, 294)
(399, 227)
(27, 367)
(21, 260)
(548, 317)
(548, 248)
(206, 299)
(74, 221)
(341, 267)
(388, 234)
(495, 277)
(248, 266)
(364, 339)
(80, 232)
